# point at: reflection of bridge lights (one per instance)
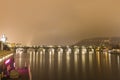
(83, 63)
(59, 53)
(43, 50)
(51, 61)
(20, 59)
(59, 62)
(33, 59)
(68, 63)
(30, 58)
(36, 57)
(106, 56)
(41, 60)
(76, 63)
(118, 61)
(37, 53)
(30, 52)
(91, 61)
(75, 58)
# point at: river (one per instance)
(45, 66)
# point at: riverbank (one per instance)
(23, 72)
(5, 53)
(3, 56)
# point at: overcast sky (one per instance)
(58, 21)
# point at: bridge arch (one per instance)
(20, 50)
(41, 50)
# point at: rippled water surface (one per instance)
(96, 66)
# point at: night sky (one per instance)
(58, 21)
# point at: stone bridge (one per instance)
(47, 49)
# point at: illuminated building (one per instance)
(4, 38)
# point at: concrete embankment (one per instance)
(2, 53)
(3, 56)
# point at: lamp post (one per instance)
(3, 41)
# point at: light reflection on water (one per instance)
(59, 65)
(109, 61)
(98, 61)
(76, 58)
(70, 66)
(83, 63)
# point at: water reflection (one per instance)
(83, 63)
(90, 61)
(98, 60)
(18, 60)
(118, 62)
(36, 65)
(59, 61)
(51, 65)
(59, 65)
(70, 66)
(33, 66)
(76, 58)
(68, 62)
(51, 60)
(110, 61)
(40, 61)
(106, 58)
(30, 58)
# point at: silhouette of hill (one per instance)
(108, 41)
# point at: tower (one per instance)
(4, 38)
(3, 41)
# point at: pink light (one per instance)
(7, 61)
(14, 64)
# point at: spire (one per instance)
(4, 38)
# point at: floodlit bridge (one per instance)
(48, 49)
(57, 49)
